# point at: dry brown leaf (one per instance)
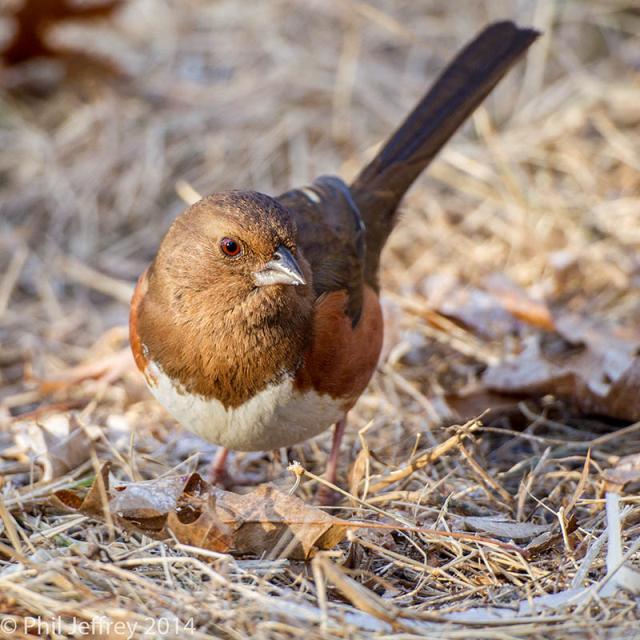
(146, 504)
(58, 443)
(622, 400)
(550, 538)
(593, 364)
(203, 528)
(267, 518)
(474, 400)
(66, 453)
(519, 304)
(34, 19)
(265, 521)
(92, 503)
(473, 308)
(626, 470)
(492, 312)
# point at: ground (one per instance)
(542, 187)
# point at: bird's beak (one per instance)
(281, 269)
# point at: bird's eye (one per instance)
(230, 247)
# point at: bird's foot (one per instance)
(226, 479)
(221, 476)
(327, 497)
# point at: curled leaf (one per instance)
(626, 470)
(34, 21)
(91, 504)
(265, 521)
(595, 365)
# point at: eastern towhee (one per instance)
(258, 323)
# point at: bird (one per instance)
(258, 323)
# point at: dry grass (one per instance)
(543, 186)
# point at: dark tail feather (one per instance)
(461, 87)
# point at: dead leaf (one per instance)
(502, 528)
(551, 538)
(146, 504)
(473, 308)
(496, 310)
(528, 372)
(626, 470)
(519, 303)
(58, 443)
(622, 400)
(474, 400)
(613, 347)
(592, 363)
(92, 503)
(201, 526)
(265, 521)
(35, 19)
(268, 515)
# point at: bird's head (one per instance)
(227, 305)
(233, 249)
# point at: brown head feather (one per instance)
(204, 321)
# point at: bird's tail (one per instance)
(461, 87)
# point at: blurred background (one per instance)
(151, 99)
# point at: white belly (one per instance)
(278, 416)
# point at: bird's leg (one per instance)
(327, 496)
(220, 475)
(332, 463)
(218, 471)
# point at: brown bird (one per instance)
(258, 324)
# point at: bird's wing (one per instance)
(331, 235)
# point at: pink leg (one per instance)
(220, 475)
(326, 495)
(218, 471)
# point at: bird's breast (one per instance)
(280, 415)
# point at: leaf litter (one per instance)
(264, 521)
(541, 189)
(593, 363)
